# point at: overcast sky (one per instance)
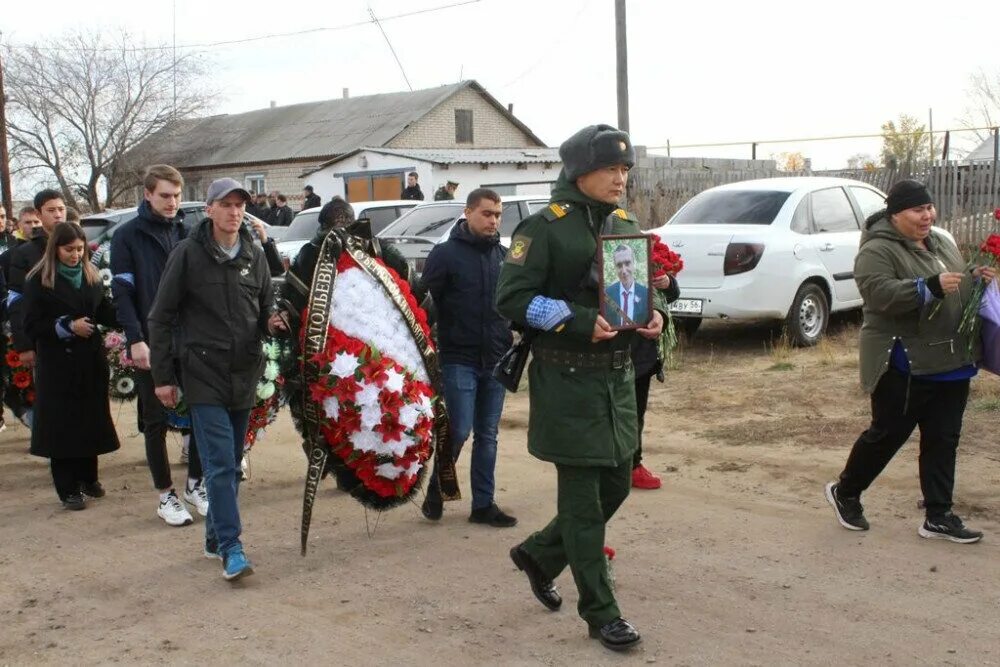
(699, 72)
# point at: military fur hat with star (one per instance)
(595, 147)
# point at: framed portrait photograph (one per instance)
(625, 298)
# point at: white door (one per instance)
(835, 236)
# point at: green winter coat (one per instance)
(579, 416)
(886, 269)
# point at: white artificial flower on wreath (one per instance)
(344, 365)
(395, 381)
(271, 371)
(408, 415)
(368, 394)
(331, 407)
(265, 390)
(389, 470)
(371, 415)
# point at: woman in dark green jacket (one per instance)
(914, 362)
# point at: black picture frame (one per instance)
(612, 276)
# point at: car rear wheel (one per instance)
(687, 325)
(808, 316)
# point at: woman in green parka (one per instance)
(581, 381)
(914, 362)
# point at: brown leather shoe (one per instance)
(541, 586)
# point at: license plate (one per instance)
(690, 306)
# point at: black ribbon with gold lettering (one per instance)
(314, 342)
(447, 478)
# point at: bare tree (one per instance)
(76, 110)
(983, 110)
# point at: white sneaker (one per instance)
(197, 496)
(244, 469)
(173, 511)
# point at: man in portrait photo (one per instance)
(627, 300)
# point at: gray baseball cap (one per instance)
(222, 187)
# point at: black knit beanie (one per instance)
(907, 194)
(595, 147)
(336, 213)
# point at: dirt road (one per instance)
(737, 560)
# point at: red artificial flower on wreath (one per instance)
(375, 371)
(390, 401)
(664, 259)
(345, 389)
(996, 214)
(22, 379)
(390, 428)
(13, 359)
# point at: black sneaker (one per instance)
(92, 489)
(948, 527)
(74, 502)
(850, 513)
(493, 516)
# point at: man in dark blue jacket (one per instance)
(139, 252)
(461, 275)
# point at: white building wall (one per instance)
(506, 178)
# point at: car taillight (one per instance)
(286, 262)
(742, 257)
(418, 264)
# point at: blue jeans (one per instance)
(220, 433)
(474, 400)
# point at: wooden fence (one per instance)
(965, 193)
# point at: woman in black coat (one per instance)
(64, 301)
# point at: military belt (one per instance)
(616, 360)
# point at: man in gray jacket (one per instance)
(215, 296)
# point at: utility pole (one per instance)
(622, 58)
(8, 199)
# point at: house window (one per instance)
(463, 126)
(255, 183)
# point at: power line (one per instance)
(826, 138)
(382, 30)
(246, 40)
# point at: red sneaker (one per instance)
(643, 479)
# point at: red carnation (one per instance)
(13, 359)
(22, 379)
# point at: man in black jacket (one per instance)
(27, 222)
(52, 210)
(461, 276)
(215, 300)
(412, 189)
(312, 199)
(281, 215)
(139, 251)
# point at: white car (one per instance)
(430, 223)
(779, 248)
(289, 240)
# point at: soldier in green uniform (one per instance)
(583, 409)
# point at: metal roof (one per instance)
(313, 130)
(475, 155)
(535, 154)
(983, 151)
